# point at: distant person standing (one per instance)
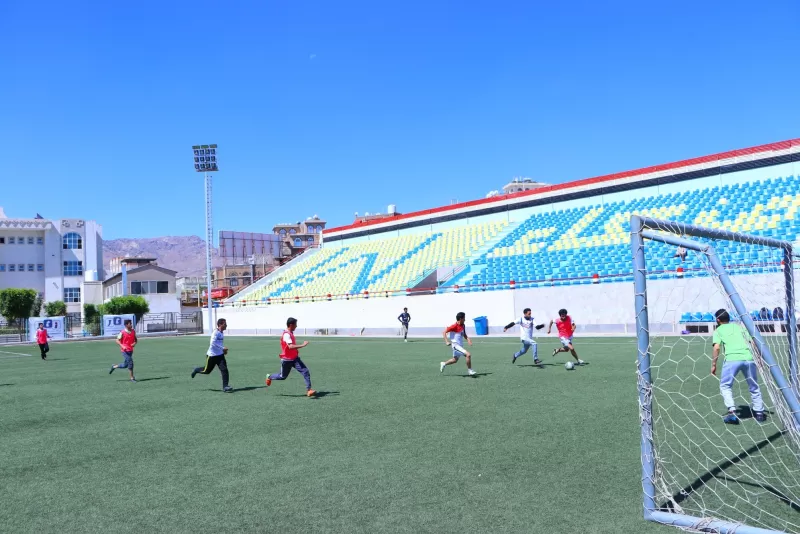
(41, 338)
(126, 341)
(404, 319)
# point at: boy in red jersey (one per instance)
(290, 357)
(126, 341)
(41, 338)
(457, 332)
(566, 327)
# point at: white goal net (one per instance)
(709, 468)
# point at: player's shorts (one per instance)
(566, 341)
(458, 350)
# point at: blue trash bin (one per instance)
(481, 326)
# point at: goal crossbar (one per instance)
(670, 232)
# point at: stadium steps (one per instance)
(472, 269)
(246, 294)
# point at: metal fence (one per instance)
(75, 327)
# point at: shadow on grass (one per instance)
(319, 395)
(55, 359)
(464, 375)
(248, 388)
(154, 378)
(540, 366)
(718, 472)
(1, 385)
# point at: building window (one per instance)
(40, 267)
(31, 267)
(12, 267)
(298, 242)
(30, 240)
(234, 282)
(21, 268)
(72, 241)
(40, 241)
(73, 268)
(310, 241)
(149, 287)
(11, 240)
(2, 267)
(292, 231)
(72, 294)
(282, 232)
(2, 240)
(20, 241)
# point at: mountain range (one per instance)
(184, 254)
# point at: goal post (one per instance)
(698, 473)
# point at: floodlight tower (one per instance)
(205, 161)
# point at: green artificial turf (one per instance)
(389, 445)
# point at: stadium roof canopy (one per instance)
(715, 164)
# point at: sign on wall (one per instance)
(114, 324)
(53, 325)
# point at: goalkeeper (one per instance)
(526, 326)
(735, 341)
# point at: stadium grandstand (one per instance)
(565, 245)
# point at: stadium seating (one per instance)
(567, 246)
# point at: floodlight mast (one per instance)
(205, 161)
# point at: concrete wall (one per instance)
(599, 308)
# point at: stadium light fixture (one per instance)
(205, 161)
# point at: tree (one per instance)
(57, 308)
(135, 304)
(16, 304)
(36, 309)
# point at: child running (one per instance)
(526, 326)
(215, 357)
(457, 332)
(41, 338)
(290, 358)
(735, 341)
(126, 341)
(566, 327)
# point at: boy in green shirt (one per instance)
(738, 359)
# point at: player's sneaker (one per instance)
(442, 365)
(555, 351)
(470, 372)
(537, 361)
(581, 362)
(268, 381)
(761, 417)
(133, 380)
(194, 372)
(514, 358)
(730, 419)
(405, 340)
(227, 389)
(311, 393)
(111, 370)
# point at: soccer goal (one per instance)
(699, 472)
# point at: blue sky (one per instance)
(332, 108)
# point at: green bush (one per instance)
(57, 308)
(16, 305)
(92, 319)
(134, 304)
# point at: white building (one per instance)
(156, 284)
(62, 259)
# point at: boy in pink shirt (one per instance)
(41, 338)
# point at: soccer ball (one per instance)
(569, 366)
